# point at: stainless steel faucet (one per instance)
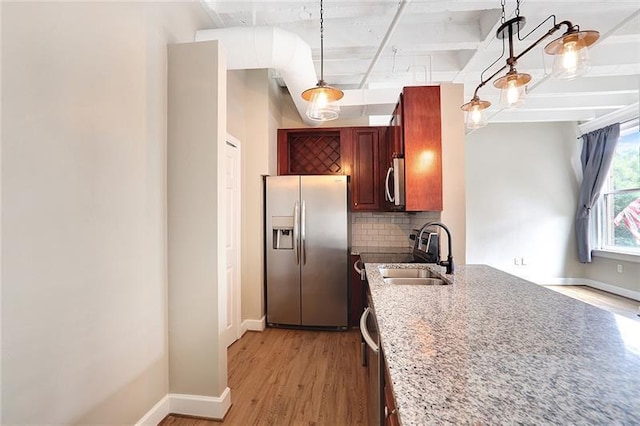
(446, 263)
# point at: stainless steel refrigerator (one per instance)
(307, 240)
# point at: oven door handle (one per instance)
(365, 333)
(359, 269)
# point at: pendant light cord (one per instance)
(321, 42)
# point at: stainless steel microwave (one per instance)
(394, 183)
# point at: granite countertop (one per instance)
(491, 348)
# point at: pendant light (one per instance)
(571, 60)
(322, 97)
(571, 57)
(511, 85)
(476, 113)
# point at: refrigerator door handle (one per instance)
(387, 192)
(296, 231)
(365, 333)
(303, 232)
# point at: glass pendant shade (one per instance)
(322, 106)
(512, 88)
(476, 113)
(571, 56)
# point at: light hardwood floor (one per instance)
(293, 377)
(602, 299)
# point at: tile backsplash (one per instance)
(387, 229)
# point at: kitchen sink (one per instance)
(415, 281)
(411, 276)
(407, 273)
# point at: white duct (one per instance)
(269, 47)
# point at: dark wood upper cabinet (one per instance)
(358, 152)
(365, 170)
(312, 152)
(421, 140)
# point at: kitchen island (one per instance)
(491, 348)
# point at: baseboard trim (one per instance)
(189, 405)
(253, 325)
(561, 281)
(201, 406)
(635, 295)
(156, 414)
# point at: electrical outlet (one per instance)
(619, 269)
(522, 261)
(516, 261)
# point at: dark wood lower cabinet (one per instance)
(390, 411)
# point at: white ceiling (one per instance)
(454, 41)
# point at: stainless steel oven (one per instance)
(394, 183)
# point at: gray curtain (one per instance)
(597, 153)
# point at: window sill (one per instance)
(617, 255)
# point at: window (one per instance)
(618, 218)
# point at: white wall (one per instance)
(605, 271)
(255, 163)
(84, 208)
(236, 103)
(521, 198)
(197, 219)
(254, 114)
